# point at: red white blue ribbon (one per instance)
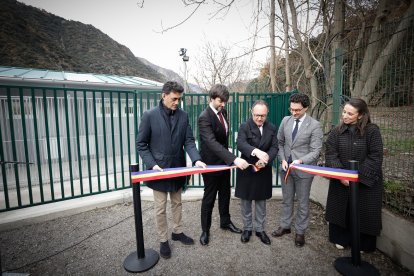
(176, 172)
(324, 171)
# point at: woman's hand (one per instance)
(344, 182)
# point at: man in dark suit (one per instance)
(300, 142)
(257, 143)
(214, 133)
(163, 135)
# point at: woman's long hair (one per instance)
(361, 106)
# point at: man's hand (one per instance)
(200, 164)
(297, 161)
(285, 165)
(260, 164)
(241, 163)
(156, 167)
(263, 156)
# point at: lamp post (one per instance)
(183, 54)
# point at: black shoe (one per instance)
(263, 237)
(205, 238)
(231, 228)
(245, 236)
(280, 232)
(182, 238)
(299, 240)
(165, 250)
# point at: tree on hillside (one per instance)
(215, 65)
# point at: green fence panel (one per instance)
(79, 142)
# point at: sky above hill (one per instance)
(138, 25)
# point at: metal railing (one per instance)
(74, 142)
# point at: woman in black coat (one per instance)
(355, 138)
(258, 145)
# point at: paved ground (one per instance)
(97, 242)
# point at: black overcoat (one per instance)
(160, 144)
(342, 146)
(256, 185)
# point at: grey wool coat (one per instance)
(342, 146)
(306, 146)
(256, 185)
(160, 144)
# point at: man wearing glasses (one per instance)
(257, 143)
(300, 142)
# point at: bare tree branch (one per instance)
(262, 48)
(183, 21)
(140, 3)
(224, 7)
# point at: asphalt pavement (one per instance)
(96, 242)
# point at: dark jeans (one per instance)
(214, 184)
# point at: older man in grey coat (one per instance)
(300, 142)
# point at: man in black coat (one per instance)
(163, 135)
(258, 145)
(214, 135)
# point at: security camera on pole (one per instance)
(186, 58)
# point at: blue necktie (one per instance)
(295, 130)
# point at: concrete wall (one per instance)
(396, 236)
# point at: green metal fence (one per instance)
(390, 74)
(58, 144)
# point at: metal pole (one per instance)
(139, 234)
(185, 77)
(354, 265)
(354, 218)
(142, 259)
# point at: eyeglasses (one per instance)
(295, 110)
(260, 115)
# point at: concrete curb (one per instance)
(18, 218)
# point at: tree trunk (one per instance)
(378, 67)
(373, 48)
(283, 8)
(305, 54)
(338, 30)
(272, 46)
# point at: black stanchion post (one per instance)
(143, 259)
(354, 218)
(354, 265)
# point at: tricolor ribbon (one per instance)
(181, 171)
(324, 171)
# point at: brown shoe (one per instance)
(299, 240)
(280, 232)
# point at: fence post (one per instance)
(142, 259)
(353, 265)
